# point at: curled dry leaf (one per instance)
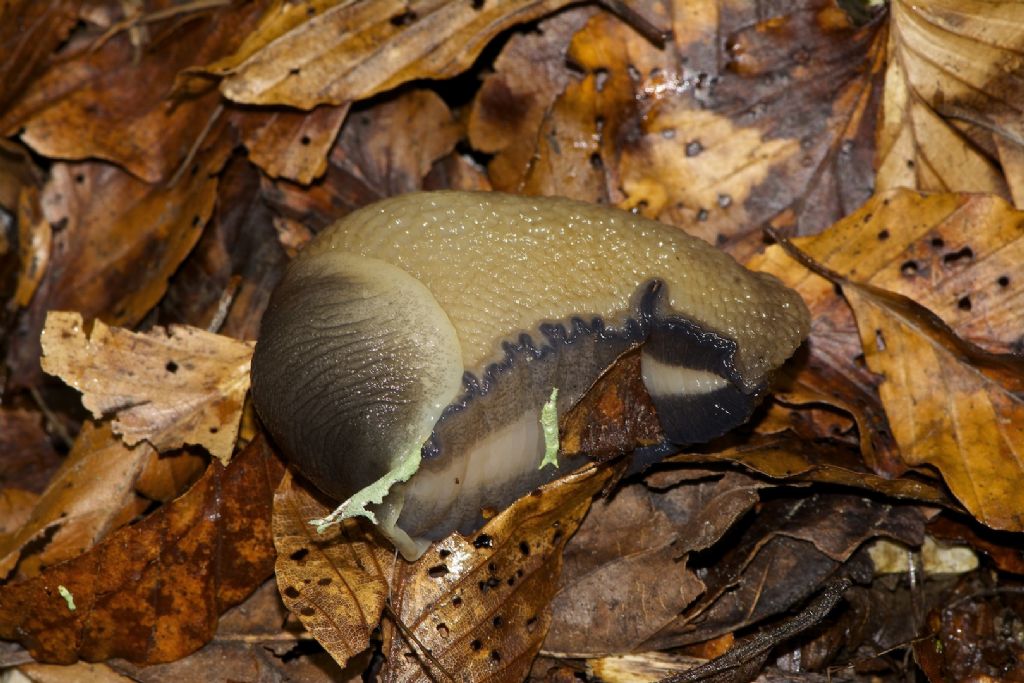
(477, 606)
(333, 52)
(170, 387)
(953, 100)
(90, 496)
(950, 404)
(152, 592)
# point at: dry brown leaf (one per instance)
(512, 102)
(953, 98)
(384, 149)
(28, 455)
(108, 99)
(116, 243)
(90, 496)
(29, 33)
(290, 144)
(169, 387)
(337, 582)
(478, 605)
(334, 52)
(152, 592)
(16, 507)
(949, 404)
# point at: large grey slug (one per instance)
(406, 356)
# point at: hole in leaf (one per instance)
(883, 235)
(482, 541)
(476, 645)
(291, 592)
(299, 554)
(1003, 281)
(909, 268)
(442, 628)
(964, 304)
(437, 571)
(171, 366)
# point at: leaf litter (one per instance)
(162, 159)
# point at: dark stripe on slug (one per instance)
(699, 418)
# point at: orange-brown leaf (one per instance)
(333, 52)
(152, 592)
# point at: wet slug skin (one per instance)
(406, 357)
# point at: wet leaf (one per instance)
(90, 496)
(953, 101)
(169, 387)
(331, 52)
(152, 591)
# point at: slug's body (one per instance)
(440, 323)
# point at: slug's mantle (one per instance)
(433, 327)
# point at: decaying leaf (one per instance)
(953, 98)
(89, 497)
(118, 242)
(169, 387)
(477, 605)
(152, 592)
(950, 404)
(332, 52)
(29, 456)
(107, 99)
(337, 582)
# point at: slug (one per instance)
(406, 356)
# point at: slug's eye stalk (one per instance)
(439, 324)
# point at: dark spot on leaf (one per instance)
(443, 554)
(476, 645)
(495, 656)
(511, 581)
(492, 568)
(964, 254)
(171, 366)
(403, 19)
(478, 4)
(437, 571)
(938, 242)
(531, 624)
(299, 554)
(964, 304)
(883, 235)
(1003, 281)
(291, 592)
(307, 611)
(325, 581)
(195, 221)
(497, 621)
(595, 161)
(557, 535)
(294, 71)
(482, 541)
(214, 430)
(79, 178)
(305, 140)
(524, 548)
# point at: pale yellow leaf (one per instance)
(169, 387)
